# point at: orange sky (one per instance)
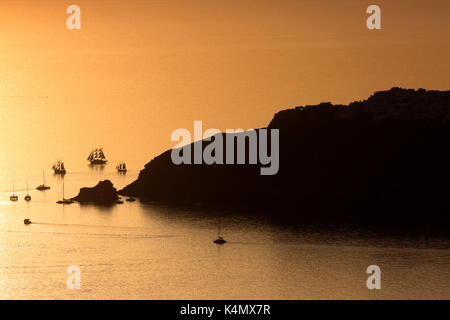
(139, 69)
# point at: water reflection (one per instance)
(104, 207)
(59, 176)
(96, 167)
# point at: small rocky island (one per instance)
(103, 193)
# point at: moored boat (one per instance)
(64, 200)
(13, 197)
(220, 239)
(42, 187)
(27, 197)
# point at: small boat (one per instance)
(64, 200)
(97, 156)
(27, 197)
(13, 197)
(219, 240)
(121, 167)
(43, 187)
(130, 199)
(27, 221)
(59, 168)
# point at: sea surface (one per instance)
(145, 250)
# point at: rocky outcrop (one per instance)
(102, 193)
(382, 160)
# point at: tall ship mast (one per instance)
(97, 156)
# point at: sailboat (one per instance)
(121, 167)
(13, 197)
(97, 156)
(27, 197)
(43, 187)
(219, 240)
(27, 221)
(64, 200)
(59, 168)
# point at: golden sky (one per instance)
(139, 69)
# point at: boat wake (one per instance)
(102, 235)
(85, 225)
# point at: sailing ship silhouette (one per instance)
(59, 168)
(97, 156)
(121, 167)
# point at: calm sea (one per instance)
(149, 251)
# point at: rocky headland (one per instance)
(384, 160)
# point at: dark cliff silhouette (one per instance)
(103, 193)
(384, 160)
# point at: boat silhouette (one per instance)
(64, 200)
(121, 167)
(42, 187)
(13, 197)
(97, 156)
(27, 197)
(220, 239)
(59, 168)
